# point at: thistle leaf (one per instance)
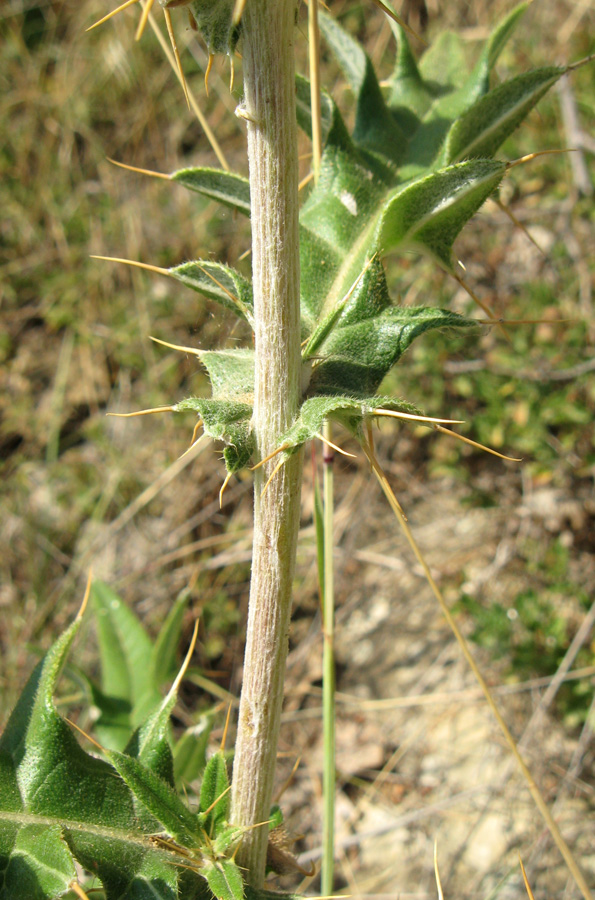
(159, 798)
(214, 794)
(218, 282)
(487, 124)
(58, 804)
(226, 187)
(224, 879)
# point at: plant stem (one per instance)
(269, 86)
(328, 673)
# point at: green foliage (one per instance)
(119, 817)
(416, 168)
(133, 668)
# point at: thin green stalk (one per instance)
(269, 109)
(327, 586)
(328, 672)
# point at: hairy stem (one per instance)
(269, 84)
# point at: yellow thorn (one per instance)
(85, 735)
(389, 12)
(196, 108)
(232, 74)
(215, 802)
(208, 72)
(143, 19)
(231, 296)
(401, 415)
(174, 47)
(306, 180)
(526, 321)
(113, 13)
(184, 667)
(370, 434)
(271, 476)
(334, 446)
(237, 12)
(223, 486)
(226, 728)
(83, 607)
(526, 880)
(142, 412)
(74, 885)
(134, 262)
(437, 873)
(384, 482)
(192, 446)
(471, 443)
(136, 168)
(270, 456)
(245, 254)
(179, 347)
(531, 156)
(194, 433)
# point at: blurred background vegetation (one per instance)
(74, 344)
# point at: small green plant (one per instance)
(418, 164)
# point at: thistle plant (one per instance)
(418, 164)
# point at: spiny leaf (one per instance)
(39, 865)
(376, 129)
(224, 879)
(487, 124)
(214, 796)
(214, 20)
(348, 411)
(227, 187)
(434, 97)
(49, 785)
(228, 422)
(356, 357)
(231, 373)
(219, 282)
(431, 212)
(158, 797)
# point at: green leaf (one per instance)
(125, 650)
(440, 77)
(228, 422)
(213, 19)
(50, 786)
(151, 742)
(220, 283)
(430, 213)
(224, 879)
(487, 124)
(214, 794)
(40, 863)
(231, 373)
(226, 187)
(376, 129)
(347, 411)
(158, 797)
(190, 752)
(164, 650)
(357, 356)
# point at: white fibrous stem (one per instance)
(269, 86)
